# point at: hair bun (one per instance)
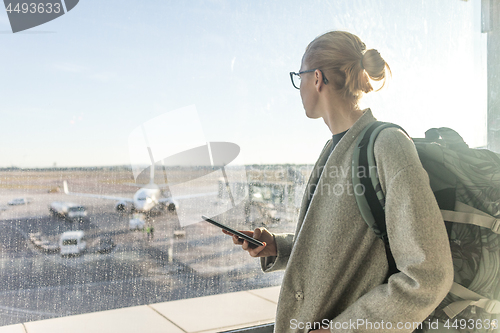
(374, 64)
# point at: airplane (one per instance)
(146, 200)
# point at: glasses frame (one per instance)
(325, 80)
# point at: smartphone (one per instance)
(252, 241)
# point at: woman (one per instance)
(334, 264)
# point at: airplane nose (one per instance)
(139, 206)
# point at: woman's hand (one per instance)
(261, 234)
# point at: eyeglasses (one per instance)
(295, 77)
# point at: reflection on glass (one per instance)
(109, 94)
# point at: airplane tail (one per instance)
(152, 170)
(65, 187)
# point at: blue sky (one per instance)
(73, 90)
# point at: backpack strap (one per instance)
(367, 190)
(370, 207)
(491, 306)
(470, 215)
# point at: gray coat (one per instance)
(335, 265)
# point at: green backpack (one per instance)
(466, 184)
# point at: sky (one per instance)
(74, 90)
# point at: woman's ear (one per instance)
(318, 80)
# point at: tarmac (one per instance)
(175, 264)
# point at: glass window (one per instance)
(67, 242)
(90, 98)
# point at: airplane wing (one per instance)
(98, 196)
(134, 184)
(160, 186)
(188, 196)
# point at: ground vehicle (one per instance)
(104, 244)
(72, 242)
(19, 201)
(68, 210)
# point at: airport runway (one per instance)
(35, 285)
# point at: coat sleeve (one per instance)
(284, 244)
(418, 241)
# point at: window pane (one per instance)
(84, 96)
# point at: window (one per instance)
(78, 93)
(68, 242)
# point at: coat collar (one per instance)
(325, 158)
(349, 137)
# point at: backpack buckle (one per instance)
(492, 306)
(496, 227)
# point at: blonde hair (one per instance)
(343, 59)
